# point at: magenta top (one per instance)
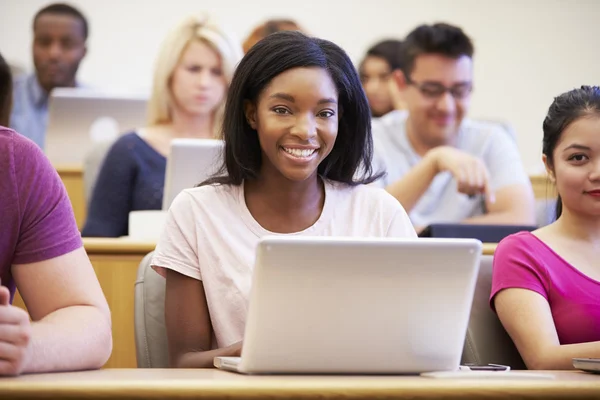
(37, 221)
(524, 261)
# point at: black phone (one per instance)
(488, 367)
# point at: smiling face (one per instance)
(296, 119)
(575, 166)
(435, 113)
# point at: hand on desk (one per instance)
(15, 336)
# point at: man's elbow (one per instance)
(102, 339)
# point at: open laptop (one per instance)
(190, 162)
(363, 306)
(80, 118)
(485, 233)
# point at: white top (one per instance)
(442, 202)
(211, 235)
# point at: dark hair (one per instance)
(440, 38)
(5, 92)
(63, 9)
(277, 53)
(564, 110)
(390, 50)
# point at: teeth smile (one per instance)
(303, 153)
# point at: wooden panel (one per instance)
(542, 187)
(72, 178)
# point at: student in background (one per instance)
(440, 165)
(59, 44)
(42, 255)
(297, 129)
(267, 28)
(5, 92)
(192, 74)
(546, 284)
(376, 71)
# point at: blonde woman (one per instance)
(193, 71)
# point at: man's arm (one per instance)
(71, 325)
(514, 205)
(409, 189)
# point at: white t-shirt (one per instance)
(211, 235)
(442, 202)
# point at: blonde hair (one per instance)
(200, 28)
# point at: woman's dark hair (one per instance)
(5, 92)
(390, 50)
(564, 110)
(277, 53)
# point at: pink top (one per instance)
(524, 261)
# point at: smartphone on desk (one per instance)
(587, 364)
(487, 367)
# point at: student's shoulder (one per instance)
(211, 196)
(369, 196)
(389, 123)
(478, 129)
(18, 147)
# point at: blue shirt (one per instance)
(131, 178)
(442, 202)
(30, 108)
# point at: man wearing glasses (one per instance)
(441, 166)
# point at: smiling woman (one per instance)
(546, 283)
(297, 154)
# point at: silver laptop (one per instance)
(79, 118)
(364, 306)
(190, 162)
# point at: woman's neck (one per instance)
(580, 227)
(284, 206)
(184, 125)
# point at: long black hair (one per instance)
(350, 159)
(564, 110)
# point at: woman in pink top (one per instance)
(546, 284)
(297, 154)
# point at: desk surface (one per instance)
(131, 246)
(117, 246)
(215, 384)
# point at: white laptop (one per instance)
(80, 118)
(190, 162)
(362, 306)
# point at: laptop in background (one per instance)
(363, 306)
(484, 233)
(190, 162)
(79, 118)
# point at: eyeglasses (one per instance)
(434, 90)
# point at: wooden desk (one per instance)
(215, 384)
(116, 262)
(72, 177)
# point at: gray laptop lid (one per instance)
(190, 162)
(341, 305)
(78, 119)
